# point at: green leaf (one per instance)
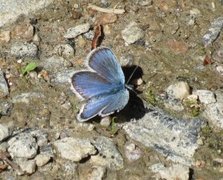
(29, 67)
(114, 127)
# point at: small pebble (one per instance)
(178, 90)
(144, 2)
(74, 149)
(105, 121)
(27, 166)
(205, 96)
(22, 146)
(4, 90)
(4, 132)
(42, 159)
(132, 33)
(4, 36)
(23, 31)
(64, 50)
(24, 49)
(127, 60)
(132, 152)
(89, 35)
(77, 30)
(213, 31)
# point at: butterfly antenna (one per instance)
(133, 72)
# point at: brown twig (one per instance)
(106, 10)
(5, 157)
(97, 36)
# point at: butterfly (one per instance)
(102, 85)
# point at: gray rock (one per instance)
(173, 104)
(5, 108)
(23, 146)
(74, 149)
(213, 112)
(55, 64)
(95, 173)
(176, 171)
(64, 50)
(5, 36)
(42, 159)
(41, 136)
(24, 49)
(63, 77)
(157, 167)
(144, 2)
(108, 154)
(77, 30)
(47, 150)
(127, 60)
(105, 121)
(69, 168)
(205, 96)
(27, 97)
(178, 90)
(10, 10)
(89, 35)
(4, 90)
(4, 132)
(172, 137)
(132, 33)
(213, 31)
(27, 166)
(132, 152)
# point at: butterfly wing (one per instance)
(103, 61)
(89, 84)
(104, 105)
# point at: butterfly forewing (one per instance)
(103, 61)
(89, 84)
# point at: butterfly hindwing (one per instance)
(104, 105)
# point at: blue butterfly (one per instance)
(102, 86)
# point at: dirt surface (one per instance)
(170, 50)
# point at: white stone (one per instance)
(5, 36)
(176, 171)
(23, 146)
(108, 154)
(64, 50)
(74, 149)
(42, 159)
(27, 166)
(214, 114)
(10, 10)
(4, 132)
(132, 33)
(24, 49)
(105, 121)
(73, 32)
(4, 90)
(95, 173)
(132, 152)
(179, 90)
(205, 96)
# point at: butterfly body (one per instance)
(102, 85)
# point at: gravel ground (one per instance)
(172, 129)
